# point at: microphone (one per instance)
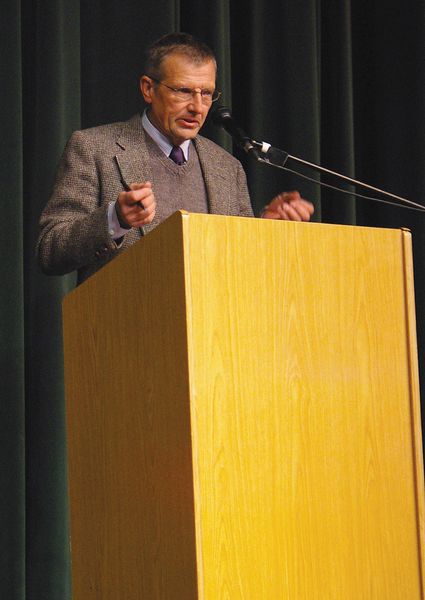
(222, 117)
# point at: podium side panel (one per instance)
(415, 396)
(130, 466)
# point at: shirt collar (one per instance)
(159, 138)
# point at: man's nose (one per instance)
(196, 100)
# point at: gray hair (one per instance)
(180, 43)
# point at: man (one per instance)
(117, 182)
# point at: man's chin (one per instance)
(186, 133)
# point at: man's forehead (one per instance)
(179, 64)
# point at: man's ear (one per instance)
(146, 88)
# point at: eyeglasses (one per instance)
(185, 94)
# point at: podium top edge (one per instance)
(281, 222)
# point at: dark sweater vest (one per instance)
(176, 187)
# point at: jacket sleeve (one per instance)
(74, 225)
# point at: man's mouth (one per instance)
(189, 122)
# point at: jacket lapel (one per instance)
(216, 178)
(133, 159)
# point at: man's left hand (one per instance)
(288, 206)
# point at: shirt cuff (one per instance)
(115, 230)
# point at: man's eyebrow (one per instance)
(195, 87)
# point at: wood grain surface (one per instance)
(304, 402)
(130, 461)
(243, 416)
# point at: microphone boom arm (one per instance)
(278, 158)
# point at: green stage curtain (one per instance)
(338, 83)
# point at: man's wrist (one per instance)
(121, 221)
(114, 228)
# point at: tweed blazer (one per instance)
(98, 164)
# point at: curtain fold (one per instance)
(12, 403)
(50, 112)
(341, 84)
(337, 119)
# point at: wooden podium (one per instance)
(243, 416)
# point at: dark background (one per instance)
(339, 82)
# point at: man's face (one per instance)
(179, 120)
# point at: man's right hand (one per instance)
(136, 207)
